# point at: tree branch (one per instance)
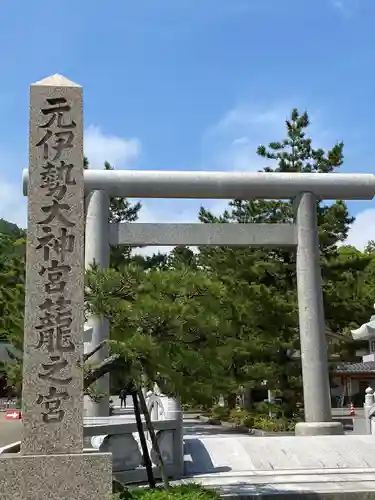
(96, 349)
(14, 356)
(110, 364)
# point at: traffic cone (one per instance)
(352, 410)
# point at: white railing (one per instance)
(122, 440)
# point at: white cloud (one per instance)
(362, 230)
(231, 143)
(100, 147)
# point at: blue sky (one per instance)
(192, 84)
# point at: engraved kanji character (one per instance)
(54, 212)
(55, 313)
(52, 404)
(56, 178)
(59, 244)
(56, 339)
(54, 326)
(64, 140)
(52, 319)
(55, 270)
(60, 106)
(55, 274)
(54, 368)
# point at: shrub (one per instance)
(265, 408)
(220, 413)
(241, 417)
(181, 492)
(273, 425)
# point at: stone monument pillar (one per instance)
(52, 463)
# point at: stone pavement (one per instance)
(10, 430)
(316, 467)
(262, 467)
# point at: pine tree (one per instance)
(169, 326)
(275, 269)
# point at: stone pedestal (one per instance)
(319, 428)
(56, 477)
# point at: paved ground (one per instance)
(281, 467)
(10, 431)
(344, 412)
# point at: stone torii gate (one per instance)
(304, 188)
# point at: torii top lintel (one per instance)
(226, 185)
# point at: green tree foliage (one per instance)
(12, 287)
(11, 230)
(12, 295)
(181, 256)
(167, 324)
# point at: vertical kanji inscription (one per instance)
(54, 319)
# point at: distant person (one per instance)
(123, 398)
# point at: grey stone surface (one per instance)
(289, 467)
(271, 235)
(54, 318)
(125, 451)
(97, 252)
(316, 390)
(319, 428)
(56, 477)
(225, 453)
(165, 440)
(225, 185)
